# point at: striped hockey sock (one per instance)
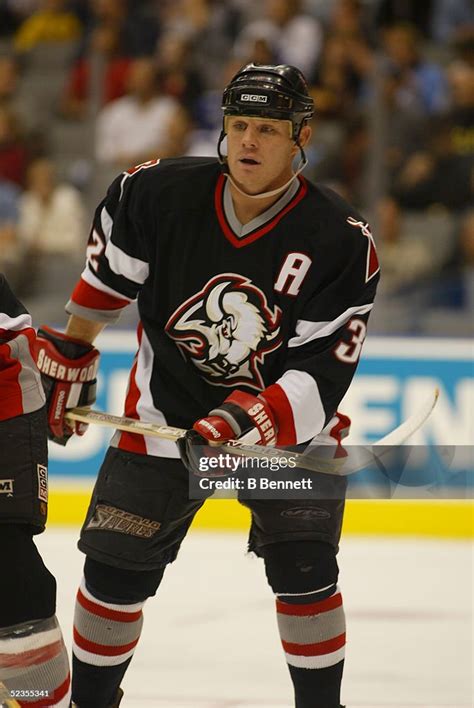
(105, 637)
(313, 635)
(34, 666)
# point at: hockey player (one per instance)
(33, 661)
(254, 289)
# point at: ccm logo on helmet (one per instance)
(254, 98)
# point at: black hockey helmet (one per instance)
(269, 91)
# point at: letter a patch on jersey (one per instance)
(373, 266)
(226, 330)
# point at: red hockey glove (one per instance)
(68, 370)
(241, 416)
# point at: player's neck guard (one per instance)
(263, 195)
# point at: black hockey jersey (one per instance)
(20, 383)
(278, 305)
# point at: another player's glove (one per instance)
(68, 370)
(241, 416)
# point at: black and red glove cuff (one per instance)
(243, 412)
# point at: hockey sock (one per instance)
(312, 631)
(105, 636)
(34, 665)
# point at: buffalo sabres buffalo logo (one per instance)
(226, 330)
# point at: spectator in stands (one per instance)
(450, 16)
(405, 258)
(9, 255)
(134, 128)
(210, 26)
(52, 231)
(178, 77)
(450, 295)
(105, 41)
(52, 22)
(349, 18)
(13, 150)
(434, 185)
(294, 37)
(8, 79)
(138, 30)
(344, 165)
(393, 12)
(439, 175)
(421, 84)
(52, 217)
(461, 112)
(342, 76)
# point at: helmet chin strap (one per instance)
(263, 195)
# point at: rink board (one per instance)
(443, 519)
(394, 376)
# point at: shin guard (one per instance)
(34, 666)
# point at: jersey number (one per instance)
(349, 352)
(94, 249)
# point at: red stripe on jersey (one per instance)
(317, 649)
(343, 424)
(102, 649)
(57, 695)
(86, 295)
(283, 412)
(372, 261)
(312, 608)
(106, 612)
(133, 442)
(253, 236)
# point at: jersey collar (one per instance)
(241, 235)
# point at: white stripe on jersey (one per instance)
(305, 401)
(106, 222)
(306, 330)
(14, 324)
(88, 276)
(121, 263)
(145, 406)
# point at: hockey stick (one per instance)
(341, 466)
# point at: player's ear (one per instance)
(305, 135)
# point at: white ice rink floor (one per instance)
(210, 638)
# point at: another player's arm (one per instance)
(116, 269)
(20, 386)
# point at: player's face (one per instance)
(260, 152)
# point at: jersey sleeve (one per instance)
(20, 383)
(325, 347)
(117, 259)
